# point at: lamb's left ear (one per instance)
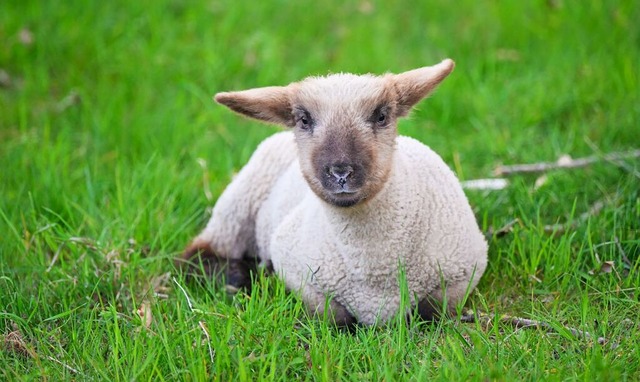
(414, 85)
(269, 104)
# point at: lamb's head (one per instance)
(344, 124)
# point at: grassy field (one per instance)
(112, 152)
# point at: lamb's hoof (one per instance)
(200, 261)
(238, 275)
(346, 322)
(430, 310)
(342, 318)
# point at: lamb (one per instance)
(340, 203)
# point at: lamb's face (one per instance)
(345, 125)
(345, 128)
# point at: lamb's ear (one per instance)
(270, 104)
(414, 85)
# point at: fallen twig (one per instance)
(504, 230)
(212, 353)
(615, 161)
(594, 210)
(205, 179)
(625, 259)
(559, 228)
(526, 323)
(202, 324)
(184, 292)
(489, 184)
(55, 257)
(563, 162)
(63, 365)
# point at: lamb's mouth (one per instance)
(344, 198)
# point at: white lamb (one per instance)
(340, 203)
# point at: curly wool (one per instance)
(342, 206)
(421, 220)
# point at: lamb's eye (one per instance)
(303, 119)
(380, 116)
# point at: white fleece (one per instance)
(421, 220)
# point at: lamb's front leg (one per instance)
(433, 307)
(319, 305)
(199, 258)
(227, 246)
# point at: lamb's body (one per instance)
(421, 219)
(342, 206)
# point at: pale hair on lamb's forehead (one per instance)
(343, 84)
(343, 90)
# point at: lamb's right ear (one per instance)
(414, 85)
(270, 104)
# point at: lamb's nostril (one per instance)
(341, 172)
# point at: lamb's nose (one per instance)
(341, 172)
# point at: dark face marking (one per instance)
(342, 164)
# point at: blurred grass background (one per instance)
(110, 144)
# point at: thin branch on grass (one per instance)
(489, 184)
(504, 230)
(616, 291)
(623, 165)
(191, 308)
(39, 231)
(615, 161)
(186, 296)
(625, 259)
(205, 179)
(525, 323)
(564, 162)
(55, 257)
(159, 287)
(194, 310)
(594, 210)
(85, 241)
(560, 228)
(70, 100)
(74, 371)
(200, 323)
(212, 353)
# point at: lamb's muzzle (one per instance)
(341, 172)
(340, 203)
(342, 166)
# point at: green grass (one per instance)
(109, 140)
